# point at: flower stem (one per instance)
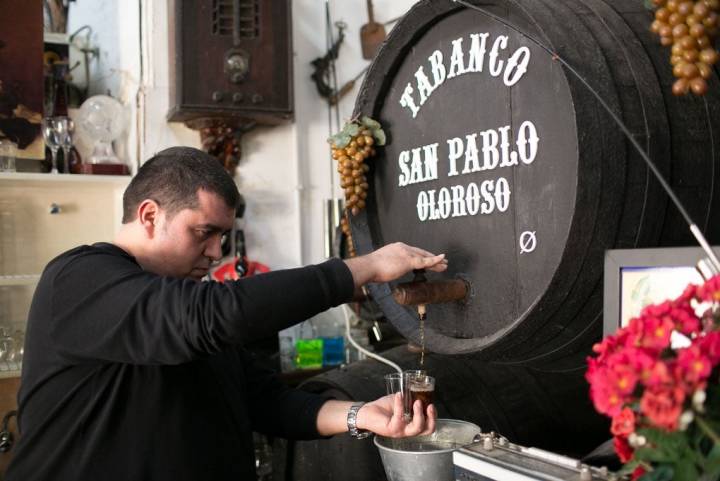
(705, 427)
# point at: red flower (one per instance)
(685, 320)
(639, 471)
(663, 406)
(657, 310)
(624, 423)
(710, 291)
(655, 332)
(710, 346)
(605, 398)
(622, 448)
(659, 375)
(640, 381)
(692, 367)
(688, 294)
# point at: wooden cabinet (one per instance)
(41, 216)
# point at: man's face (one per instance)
(186, 244)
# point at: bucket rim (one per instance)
(439, 451)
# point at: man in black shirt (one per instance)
(134, 370)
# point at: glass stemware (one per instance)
(65, 128)
(52, 140)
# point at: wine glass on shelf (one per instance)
(52, 140)
(65, 128)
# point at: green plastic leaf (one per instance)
(629, 467)
(370, 123)
(351, 129)
(342, 140)
(685, 470)
(379, 135)
(649, 5)
(670, 442)
(711, 465)
(660, 473)
(656, 455)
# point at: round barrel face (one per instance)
(482, 164)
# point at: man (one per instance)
(134, 370)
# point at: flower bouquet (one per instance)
(659, 381)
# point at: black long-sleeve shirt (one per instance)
(128, 375)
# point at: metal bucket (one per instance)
(425, 457)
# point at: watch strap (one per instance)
(352, 422)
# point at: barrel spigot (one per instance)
(420, 292)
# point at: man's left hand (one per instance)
(385, 417)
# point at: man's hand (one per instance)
(393, 261)
(385, 417)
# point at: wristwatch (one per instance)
(352, 422)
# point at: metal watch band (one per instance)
(352, 422)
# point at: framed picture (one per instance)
(635, 278)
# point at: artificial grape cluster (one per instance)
(690, 26)
(351, 147)
(345, 227)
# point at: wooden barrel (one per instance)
(499, 157)
(547, 410)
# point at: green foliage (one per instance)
(370, 123)
(352, 128)
(711, 466)
(660, 473)
(379, 135)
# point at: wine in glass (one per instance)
(52, 140)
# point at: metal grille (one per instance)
(249, 21)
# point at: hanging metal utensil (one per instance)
(372, 34)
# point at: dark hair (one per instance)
(172, 178)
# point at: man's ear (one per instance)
(148, 213)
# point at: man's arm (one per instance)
(393, 261)
(383, 416)
(105, 307)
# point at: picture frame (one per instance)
(634, 278)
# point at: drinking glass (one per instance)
(409, 376)
(393, 383)
(420, 388)
(65, 128)
(52, 140)
(8, 151)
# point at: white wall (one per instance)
(311, 112)
(285, 171)
(115, 71)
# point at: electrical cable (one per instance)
(370, 354)
(693, 227)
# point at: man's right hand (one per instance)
(393, 261)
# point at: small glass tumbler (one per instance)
(393, 383)
(8, 152)
(421, 388)
(409, 376)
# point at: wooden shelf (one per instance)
(58, 38)
(20, 280)
(31, 177)
(10, 369)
